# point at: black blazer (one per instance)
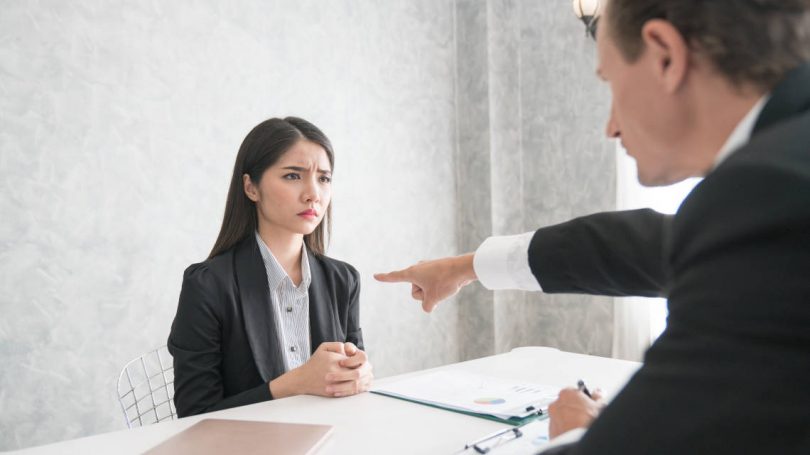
(729, 373)
(223, 338)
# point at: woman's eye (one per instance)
(292, 176)
(325, 179)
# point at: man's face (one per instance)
(646, 119)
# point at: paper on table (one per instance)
(473, 393)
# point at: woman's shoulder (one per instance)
(211, 271)
(340, 269)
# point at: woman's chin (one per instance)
(306, 227)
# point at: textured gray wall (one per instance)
(531, 153)
(120, 121)
(473, 158)
(119, 125)
(569, 169)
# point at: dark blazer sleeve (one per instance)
(353, 332)
(613, 253)
(721, 378)
(195, 343)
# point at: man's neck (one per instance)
(720, 109)
(742, 132)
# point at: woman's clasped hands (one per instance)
(335, 370)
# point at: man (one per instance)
(719, 89)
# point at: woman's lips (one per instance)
(309, 214)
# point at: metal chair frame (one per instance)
(160, 381)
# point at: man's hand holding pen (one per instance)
(576, 407)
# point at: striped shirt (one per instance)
(290, 306)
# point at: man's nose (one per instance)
(612, 129)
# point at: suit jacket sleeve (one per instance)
(720, 377)
(353, 332)
(195, 343)
(613, 253)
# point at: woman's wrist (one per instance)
(285, 385)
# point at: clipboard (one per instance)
(528, 438)
(486, 397)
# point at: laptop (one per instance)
(217, 436)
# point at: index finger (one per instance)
(397, 276)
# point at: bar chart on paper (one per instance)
(480, 395)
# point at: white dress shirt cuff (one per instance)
(503, 263)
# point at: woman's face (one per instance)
(293, 194)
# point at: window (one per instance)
(639, 321)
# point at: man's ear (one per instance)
(668, 53)
(250, 189)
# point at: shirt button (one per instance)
(292, 348)
(289, 309)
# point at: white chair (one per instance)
(146, 389)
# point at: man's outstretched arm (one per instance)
(611, 253)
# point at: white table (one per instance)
(370, 423)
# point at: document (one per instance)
(483, 396)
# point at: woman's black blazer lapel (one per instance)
(322, 316)
(254, 295)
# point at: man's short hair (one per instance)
(751, 42)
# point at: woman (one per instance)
(268, 315)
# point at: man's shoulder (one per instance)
(760, 191)
(773, 166)
(784, 147)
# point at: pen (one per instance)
(583, 388)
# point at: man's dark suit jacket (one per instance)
(223, 339)
(731, 372)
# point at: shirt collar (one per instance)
(742, 133)
(276, 274)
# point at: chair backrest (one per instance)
(146, 389)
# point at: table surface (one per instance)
(371, 423)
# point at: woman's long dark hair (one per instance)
(262, 147)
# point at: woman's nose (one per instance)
(312, 192)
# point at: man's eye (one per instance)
(292, 176)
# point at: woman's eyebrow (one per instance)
(303, 169)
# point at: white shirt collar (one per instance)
(742, 133)
(276, 274)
